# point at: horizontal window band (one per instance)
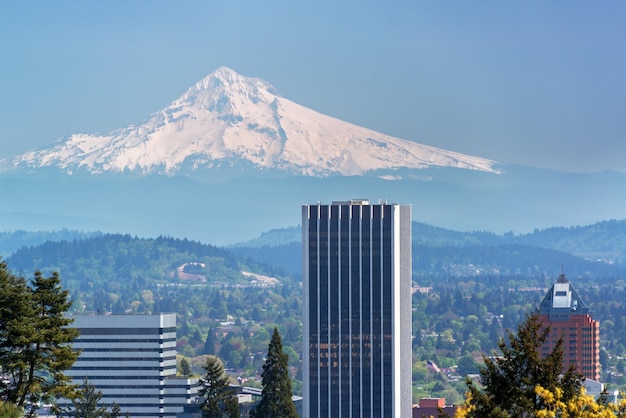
(86, 339)
(125, 331)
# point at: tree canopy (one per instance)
(35, 340)
(8, 410)
(276, 395)
(87, 404)
(510, 379)
(219, 399)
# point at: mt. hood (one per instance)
(228, 120)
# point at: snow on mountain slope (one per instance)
(228, 119)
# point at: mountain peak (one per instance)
(227, 119)
(218, 91)
(225, 79)
(229, 76)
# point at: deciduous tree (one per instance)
(580, 406)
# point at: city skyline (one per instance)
(537, 84)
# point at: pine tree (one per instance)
(209, 343)
(53, 352)
(219, 399)
(87, 404)
(185, 367)
(116, 411)
(8, 410)
(510, 379)
(276, 395)
(16, 313)
(35, 340)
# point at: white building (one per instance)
(132, 360)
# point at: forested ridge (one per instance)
(14, 240)
(122, 257)
(594, 251)
(472, 287)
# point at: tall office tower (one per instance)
(569, 319)
(132, 360)
(356, 310)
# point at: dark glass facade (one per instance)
(357, 312)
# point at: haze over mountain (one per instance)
(231, 158)
(230, 120)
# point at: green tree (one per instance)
(209, 343)
(276, 395)
(185, 367)
(87, 404)
(35, 340)
(219, 399)
(509, 380)
(8, 410)
(466, 365)
(116, 411)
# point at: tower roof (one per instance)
(562, 299)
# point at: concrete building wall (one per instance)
(132, 360)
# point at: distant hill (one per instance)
(605, 240)
(122, 265)
(585, 252)
(278, 236)
(597, 250)
(11, 241)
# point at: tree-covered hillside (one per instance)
(605, 241)
(122, 265)
(593, 251)
(14, 240)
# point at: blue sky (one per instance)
(539, 83)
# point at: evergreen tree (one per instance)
(510, 379)
(87, 404)
(52, 353)
(116, 411)
(16, 310)
(185, 367)
(196, 338)
(35, 341)
(8, 410)
(276, 395)
(219, 399)
(209, 343)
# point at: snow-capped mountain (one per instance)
(228, 120)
